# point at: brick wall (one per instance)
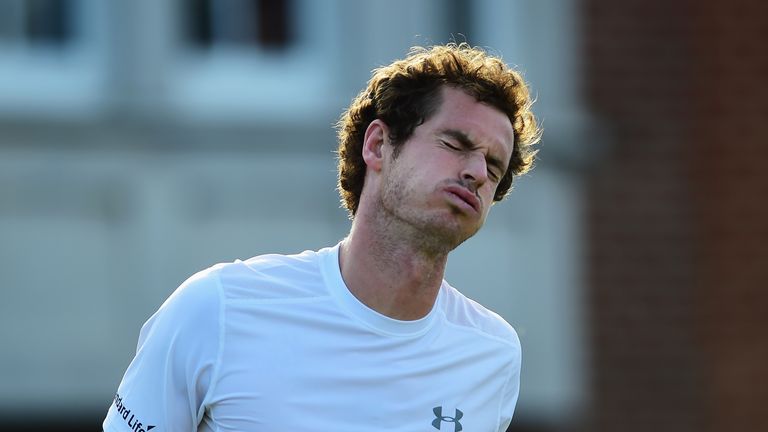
(731, 201)
(678, 263)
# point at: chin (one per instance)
(441, 230)
(450, 234)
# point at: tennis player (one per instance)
(365, 335)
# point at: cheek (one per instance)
(402, 180)
(487, 192)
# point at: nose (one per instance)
(475, 171)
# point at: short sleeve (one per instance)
(166, 384)
(511, 388)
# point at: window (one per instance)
(50, 57)
(36, 22)
(263, 24)
(256, 60)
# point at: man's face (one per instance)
(443, 180)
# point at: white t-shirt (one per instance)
(278, 343)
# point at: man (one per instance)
(365, 335)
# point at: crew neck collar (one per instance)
(329, 261)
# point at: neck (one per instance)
(390, 271)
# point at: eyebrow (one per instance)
(467, 143)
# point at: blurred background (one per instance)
(142, 141)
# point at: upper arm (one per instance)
(511, 387)
(168, 380)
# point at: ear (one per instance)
(376, 135)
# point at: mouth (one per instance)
(464, 197)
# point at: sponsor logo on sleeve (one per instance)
(133, 421)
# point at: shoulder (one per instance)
(197, 295)
(272, 276)
(193, 308)
(469, 315)
(201, 302)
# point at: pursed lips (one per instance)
(465, 195)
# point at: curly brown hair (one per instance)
(406, 93)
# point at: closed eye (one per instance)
(449, 145)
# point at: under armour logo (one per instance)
(440, 418)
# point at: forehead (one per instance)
(484, 124)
